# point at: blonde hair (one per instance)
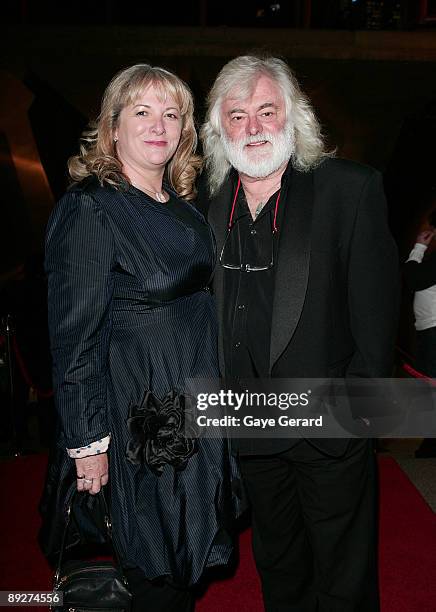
(97, 147)
(241, 74)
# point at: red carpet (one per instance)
(407, 544)
(407, 550)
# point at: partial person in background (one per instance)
(131, 318)
(420, 277)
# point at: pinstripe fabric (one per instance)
(128, 312)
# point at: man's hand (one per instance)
(426, 237)
(92, 473)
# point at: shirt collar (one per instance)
(241, 209)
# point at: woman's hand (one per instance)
(92, 473)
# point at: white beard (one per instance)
(262, 164)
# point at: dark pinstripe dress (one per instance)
(129, 313)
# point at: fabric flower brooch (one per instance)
(161, 432)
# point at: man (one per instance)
(306, 286)
(420, 276)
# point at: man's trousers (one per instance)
(315, 528)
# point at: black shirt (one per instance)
(248, 296)
(422, 275)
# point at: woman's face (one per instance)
(148, 132)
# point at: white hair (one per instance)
(241, 74)
(260, 166)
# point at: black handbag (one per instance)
(91, 586)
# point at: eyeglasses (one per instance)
(227, 258)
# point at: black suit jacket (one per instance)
(335, 305)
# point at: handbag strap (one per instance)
(108, 526)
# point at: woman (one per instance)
(131, 318)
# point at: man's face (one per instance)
(257, 139)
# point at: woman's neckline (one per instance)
(159, 196)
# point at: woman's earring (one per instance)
(115, 139)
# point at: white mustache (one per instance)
(260, 162)
(256, 138)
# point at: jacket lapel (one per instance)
(218, 217)
(293, 261)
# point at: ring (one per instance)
(80, 477)
(88, 480)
